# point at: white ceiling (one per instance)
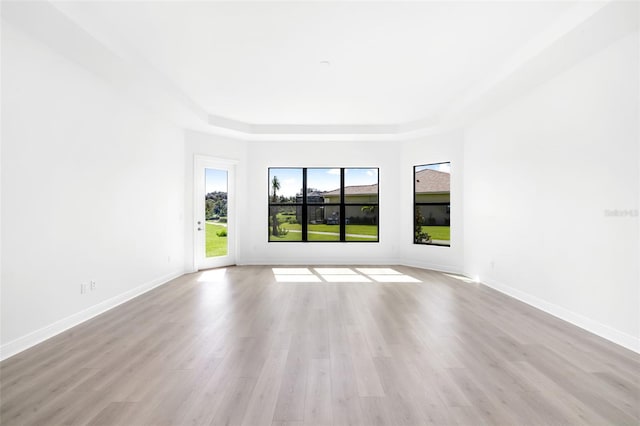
(256, 67)
(260, 62)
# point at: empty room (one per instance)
(320, 213)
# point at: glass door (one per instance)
(215, 235)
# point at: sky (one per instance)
(322, 179)
(440, 167)
(215, 180)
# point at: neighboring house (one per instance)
(357, 194)
(312, 197)
(315, 212)
(433, 188)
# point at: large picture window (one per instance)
(323, 205)
(432, 204)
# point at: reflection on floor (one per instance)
(341, 275)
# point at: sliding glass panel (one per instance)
(215, 212)
(360, 186)
(285, 223)
(323, 223)
(362, 223)
(323, 186)
(285, 185)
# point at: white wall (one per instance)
(222, 148)
(262, 155)
(540, 176)
(433, 149)
(92, 189)
(395, 160)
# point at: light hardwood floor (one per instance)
(244, 349)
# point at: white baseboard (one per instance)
(616, 336)
(25, 342)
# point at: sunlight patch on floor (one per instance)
(378, 271)
(402, 278)
(354, 278)
(341, 275)
(290, 278)
(291, 271)
(461, 278)
(335, 271)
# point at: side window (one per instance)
(432, 204)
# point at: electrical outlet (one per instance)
(92, 285)
(168, 259)
(83, 288)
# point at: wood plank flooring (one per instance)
(236, 347)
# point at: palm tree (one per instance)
(369, 210)
(275, 185)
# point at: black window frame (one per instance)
(304, 206)
(417, 204)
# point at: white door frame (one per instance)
(200, 261)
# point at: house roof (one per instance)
(431, 181)
(355, 190)
(427, 181)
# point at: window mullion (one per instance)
(305, 210)
(343, 209)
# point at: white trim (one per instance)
(218, 160)
(25, 342)
(200, 162)
(606, 332)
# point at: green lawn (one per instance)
(438, 232)
(333, 229)
(371, 240)
(362, 229)
(323, 237)
(291, 236)
(216, 246)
